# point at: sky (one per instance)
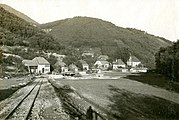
(158, 17)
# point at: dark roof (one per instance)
(83, 62)
(41, 60)
(72, 66)
(119, 62)
(29, 63)
(36, 61)
(134, 59)
(103, 57)
(60, 63)
(104, 62)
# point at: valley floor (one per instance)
(128, 98)
(131, 98)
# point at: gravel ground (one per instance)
(46, 107)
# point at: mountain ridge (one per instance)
(19, 14)
(94, 32)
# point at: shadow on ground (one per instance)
(5, 93)
(155, 80)
(132, 106)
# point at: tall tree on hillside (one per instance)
(167, 61)
(1, 61)
(122, 53)
(1, 55)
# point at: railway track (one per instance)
(23, 108)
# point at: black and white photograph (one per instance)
(89, 59)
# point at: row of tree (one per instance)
(167, 61)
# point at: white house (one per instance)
(62, 66)
(84, 65)
(37, 65)
(133, 61)
(102, 64)
(118, 64)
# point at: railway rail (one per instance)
(23, 108)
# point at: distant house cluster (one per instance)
(41, 66)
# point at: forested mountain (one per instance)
(16, 31)
(19, 14)
(20, 40)
(65, 36)
(114, 41)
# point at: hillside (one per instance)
(20, 40)
(19, 14)
(91, 32)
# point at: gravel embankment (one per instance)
(46, 107)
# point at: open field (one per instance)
(155, 80)
(131, 99)
(7, 83)
(9, 86)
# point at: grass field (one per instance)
(131, 99)
(6, 86)
(155, 80)
(7, 83)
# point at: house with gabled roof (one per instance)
(88, 52)
(102, 64)
(84, 64)
(118, 64)
(133, 61)
(61, 65)
(37, 65)
(73, 68)
(103, 57)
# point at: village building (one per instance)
(38, 65)
(118, 64)
(85, 66)
(122, 70)
(103, 57)
(137, 70)
(102, 64)
(73, 68)
(88, 52)
(133, 62)
(62, 66)
(58, 56)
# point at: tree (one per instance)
(1, 63)
(90, 60)
(167, 61)
(79, 65)
(121, 53)
(52, 60)
(69, 60)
